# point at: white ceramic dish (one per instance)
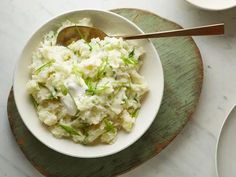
(213, 4)
(152, 70)
(226, 147)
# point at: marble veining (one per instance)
(192, 153)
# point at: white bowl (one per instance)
(214, 5)
(152, 70)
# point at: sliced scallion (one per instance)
(109, 126)
(129, 60)
(47, 64)
(131, 54)
(64, 89)
(69, 129)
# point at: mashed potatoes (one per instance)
(87, 91)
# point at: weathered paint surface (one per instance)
(183, 73)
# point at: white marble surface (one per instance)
(192, 153)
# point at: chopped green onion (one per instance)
(37, 71)
(91, 88)
(130, 60)
(51, 97)
(77, 53)
(135, 113)
(69, 129)
(90, 92)
(67, 57)
(90, 47)
(64, 89)
(102, 67)
(75, 69)
(131, 54)
(122, 84)
(116, 92)
(99, 90)
(109, 126)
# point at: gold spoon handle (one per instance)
(215, 29)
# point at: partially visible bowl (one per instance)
(213, 4)
(225, 150)
(111, 23)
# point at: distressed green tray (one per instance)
(183, 73)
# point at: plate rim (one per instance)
(219, 138)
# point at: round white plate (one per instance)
(226, 148)
(213, 4)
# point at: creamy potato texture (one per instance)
(87, 91)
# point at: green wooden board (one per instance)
(183, 73)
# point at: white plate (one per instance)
(213, 4)
(152, 71)
(226, 147)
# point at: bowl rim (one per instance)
(158, 104)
